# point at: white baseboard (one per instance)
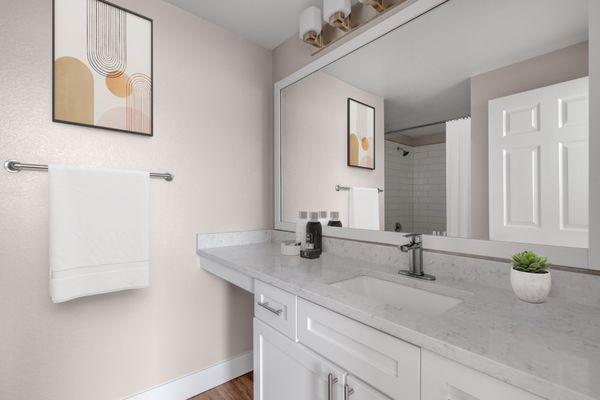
(190, 385)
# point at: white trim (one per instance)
(199, 382)
(594, 72)
(277, 154)
(565, 256)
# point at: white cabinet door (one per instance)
(538, 165)
(443, 379)
(355, 389)
(286, 370)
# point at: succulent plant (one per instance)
(528, 261)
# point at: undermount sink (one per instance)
(398, 295)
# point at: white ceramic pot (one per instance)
(532, 288)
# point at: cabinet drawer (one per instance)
(384, 362)
(276, 308)
(445, 379)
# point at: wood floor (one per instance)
(237, 389)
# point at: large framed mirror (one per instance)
(477, 138)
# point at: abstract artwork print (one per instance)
(102, 71)
(361, 135)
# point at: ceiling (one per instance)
(265, 22)
(423, 68)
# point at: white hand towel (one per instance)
(98, 231)
(364, 208)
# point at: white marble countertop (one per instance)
(550, 349)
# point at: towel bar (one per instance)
(338, 188)
(16, 166)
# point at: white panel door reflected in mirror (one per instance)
(441, 150)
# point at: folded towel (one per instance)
(98, 231)
(364, 208)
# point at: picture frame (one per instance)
(102, 66)
(361, 135)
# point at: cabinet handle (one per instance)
(348, 391)
(266, 306)
(331, 380)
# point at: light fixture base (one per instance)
(313, 39)
(377, 5)
(340, 21)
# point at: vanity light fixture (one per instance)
(337, 13)
(376, 4)
(311, 26)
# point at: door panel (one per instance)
(521, 120)
(284, 369)
(538, 165)
(574, 184)
(521, 187)
(573, 111)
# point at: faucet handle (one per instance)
(414, 237)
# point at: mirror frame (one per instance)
(571, 257)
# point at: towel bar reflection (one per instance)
(338, 188)
(16, 166)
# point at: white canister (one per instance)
(532, 288)
(301, 227)
(323, 218)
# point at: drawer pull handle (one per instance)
(331, 380)
(348, 391)
(266, 306)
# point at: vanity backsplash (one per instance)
(577, 287)
(572, 286)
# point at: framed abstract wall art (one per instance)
(102, 66)
(361, 135)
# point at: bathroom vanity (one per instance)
(466, 122)
(342, 328)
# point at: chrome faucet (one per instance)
(414, 248)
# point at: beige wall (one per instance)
(314, 146)
(558, 66)
(213, 130)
